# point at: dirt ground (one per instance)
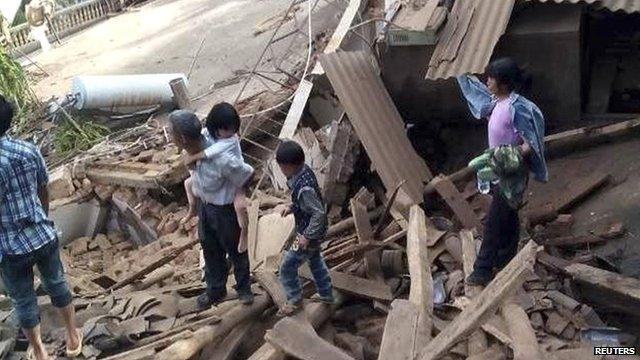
(619, 200)
(162, 36)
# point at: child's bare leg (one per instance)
(192, 201)
(240, 205)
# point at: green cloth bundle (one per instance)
(506, 165)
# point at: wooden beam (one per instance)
(458, 204)
(400, 331)
(485, 303)
(299, 339)
(354, 285)
(607, 288)
(525, 343)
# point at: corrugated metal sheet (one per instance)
(468, 38)
(376, 120)
(628, 6)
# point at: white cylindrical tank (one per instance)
(123, 91)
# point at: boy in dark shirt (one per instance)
(311, 226)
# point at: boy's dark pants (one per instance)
(290, 280)
(501, 236)
(219, 235)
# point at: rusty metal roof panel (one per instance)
(469, 37)
(628, 6)
(376, 120)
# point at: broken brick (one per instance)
(61, 183)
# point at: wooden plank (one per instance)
(296, 110)
(271, 284)
(607, 288)
(554, 263)
(421, 289)
(525, 343)
(421, 292)
(365, 234)
(454, 199)
(273, 233)
(485, 303)
(387, 209)
(354, 285)
(356, 251)
(400, 331)
(299, 339)
(227, 347)
(253, 212)
(348, 223)
(354, 8)
(477, 341)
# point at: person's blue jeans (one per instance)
(289, 273)
(17, 274)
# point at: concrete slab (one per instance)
(76, 220)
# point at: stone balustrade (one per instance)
(65, 22)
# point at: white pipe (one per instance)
(123, 91)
